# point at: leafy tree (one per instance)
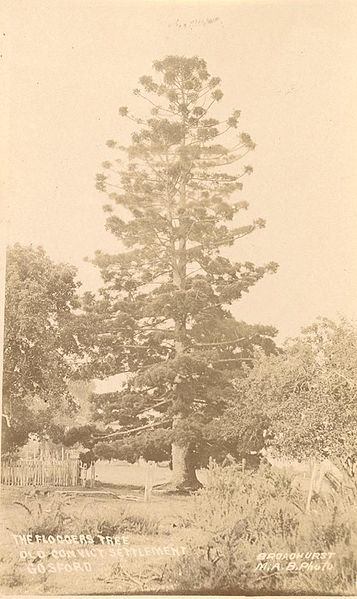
(308, 394)
(82, 392)
(163, 314)
(39, 345)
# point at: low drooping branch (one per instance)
(231, 342)
(133, 430)
(160, 403)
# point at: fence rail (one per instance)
(52, 472)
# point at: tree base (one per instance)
(184, 479)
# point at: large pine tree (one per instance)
(163, 313)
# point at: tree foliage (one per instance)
(164, 312)
(308, 393)
(39, 344)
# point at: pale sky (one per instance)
(290, 67)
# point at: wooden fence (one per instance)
(52, 472)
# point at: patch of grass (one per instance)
(60, 516)
(120, 524)
(48, 517)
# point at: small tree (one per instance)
(308, 394)
(38, 344)
(163, 314)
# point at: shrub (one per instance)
(239, 516)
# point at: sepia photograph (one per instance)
(179, 298)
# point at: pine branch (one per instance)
(160, 403)
(228, 238)
(157, 106)
(127, 346)
(233, 341)
(133, 430)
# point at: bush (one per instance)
(239, 516)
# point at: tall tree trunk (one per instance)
(183, 469)
(184, 477)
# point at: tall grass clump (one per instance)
(118, 523)
(240, 516)
(48, 517)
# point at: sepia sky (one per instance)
(290, 67)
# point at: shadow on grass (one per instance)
(118, 487)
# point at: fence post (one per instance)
(148, 481)
(92, 474)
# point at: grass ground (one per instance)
(155, 534)
(123, 474)
(223, 529)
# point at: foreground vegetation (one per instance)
(240, 519)
(239, 534)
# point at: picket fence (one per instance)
(50, 471)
